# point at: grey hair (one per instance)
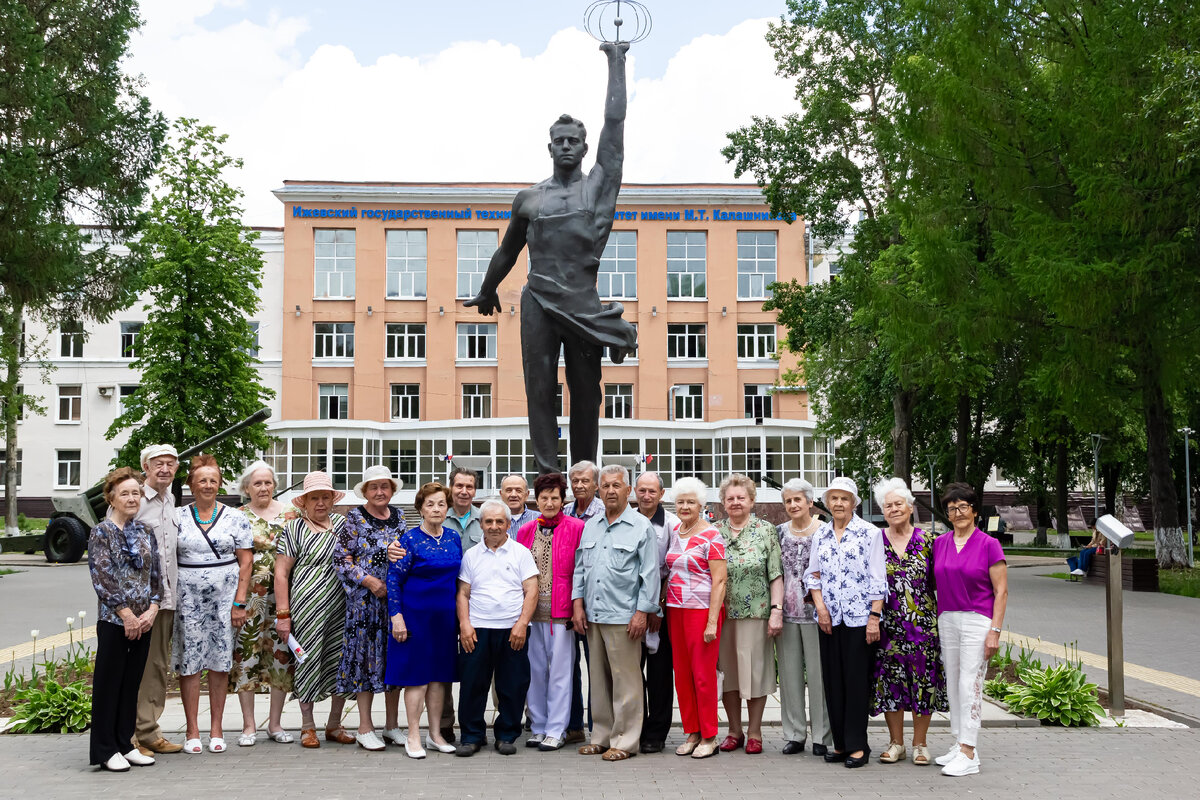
(616, 469)
(248, 473)
(521, 478)
(492, 504)
(580, 466)
(690, 487)
(651, 473)
(893, 486)
(799, 485)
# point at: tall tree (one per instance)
(78, 143)
(196, 352)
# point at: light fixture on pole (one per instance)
(1096, 440)
(1187, 490)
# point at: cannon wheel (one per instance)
(66, 539)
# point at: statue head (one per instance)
(568, 141)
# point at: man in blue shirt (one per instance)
(514, 491)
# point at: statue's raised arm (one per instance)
(610, 155)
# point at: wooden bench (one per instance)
(1137, 574)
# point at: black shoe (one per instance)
(861, 761)
(448, 735)
(819, 749)
(506, 748)
(832, 756)
(651, 747)
(467, 749)
(793, 747)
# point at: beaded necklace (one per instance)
(209, 521)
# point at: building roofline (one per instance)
(502, 193)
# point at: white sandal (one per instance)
(248, 739)
(193, 746)
(283, 737)
(216, 745)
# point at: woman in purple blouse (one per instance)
(972, 594)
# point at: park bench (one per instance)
(1137, 574)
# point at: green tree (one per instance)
(78, 143)
(196, 351)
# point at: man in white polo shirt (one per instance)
(497, 595)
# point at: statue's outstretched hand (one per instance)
(487, 302)
(612, 48)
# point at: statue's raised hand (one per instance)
(487, 302)
(612, 48)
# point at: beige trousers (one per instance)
(152, 694)
(615, 678)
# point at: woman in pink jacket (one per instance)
(553, 538)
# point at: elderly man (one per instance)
(462, 516)
(585, 479)
(656, 652)
(616, 587)
(514, 491)
(497, 595)
(160, 462)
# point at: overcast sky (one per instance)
(450, 91)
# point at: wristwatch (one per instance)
(997, 630)
(875, 614)
(776, 608)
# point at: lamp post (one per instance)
(1187, 489)
(1096, 440)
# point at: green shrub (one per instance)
(1060, 695)
(1003, 658)
(997, 689)
(53, 708)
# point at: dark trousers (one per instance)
(659, 688)
(846, 665)
(541, 338)
(576, 721)
(493, 657)
(115, 682)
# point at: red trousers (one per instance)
(695, 663)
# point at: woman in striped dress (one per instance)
(311, 605)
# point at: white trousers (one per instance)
(551, 658)
(963, 634)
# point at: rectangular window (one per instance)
(406, 265)
(475, 250)
(253, 352)
(476, 400)
(689, 401)
(333, 340)
(70, 403)
(758, 400)
(756, 264)
(130, 333)
(756, 341)
(71, 340)
(687, 259)
(476, 341)
(686, 341)
(20, 392)
(618, 401)
(68, 464)
(4, 465)
(334, 400)
(406, 340)
(618, 266)
(559, 403)
(334, 263)
(125, 392)
(406, 401)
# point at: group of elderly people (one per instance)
(296, 598)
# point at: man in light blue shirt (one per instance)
(514, 491)
(616, 585)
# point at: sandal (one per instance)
(686, 748)
(592, 750)
(283, 737)
(895, 752)
(248, 739)
(732, 742)
(216, 745)
(921, 755)
(339, 735)
(308, 738)
(614, 754)
(193, 746)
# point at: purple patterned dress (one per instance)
(908, 667)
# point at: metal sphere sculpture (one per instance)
(617, 21)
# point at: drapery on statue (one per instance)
(565, 220)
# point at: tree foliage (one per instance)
(196, 350)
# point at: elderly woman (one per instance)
(214, 553)
(753, 610)
(360, 558)
(908, 668)
(311, 607)
(798, 649)
(848, 582)
(553, 539)
(695, 592)
(972, 595)
(261, 660)
(421, 590)
(123, 561)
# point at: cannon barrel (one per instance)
(261, 415)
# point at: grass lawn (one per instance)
(1185, 582)
(1062, 576)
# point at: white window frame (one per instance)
(687, 341)
(70, 340)
(476, 401)
(687, 401)
(60, 463)
(475, 249)
(758, 401)
(123, 391)
(406, 401)
(405, 341)
(618, 401)
(333, 341)
(617, 278)
(471, 336)
(130, 333)
(20, 464)
(73, 404)
(254, 349)
(759, 269)
(327, 394)
(334, 260)
(756, 341)
(407, 261)
(684, 267)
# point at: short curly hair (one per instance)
(738, 479)
(118, 476)
(199, 462)
(428, 489)
(551, 480)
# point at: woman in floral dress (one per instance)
(360, 558)
(261, 661)
(908, 668)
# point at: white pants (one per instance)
(963, 634)
(551, 658)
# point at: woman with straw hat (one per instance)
(310, 604)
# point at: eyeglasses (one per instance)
(961, 508)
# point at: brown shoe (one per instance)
(159, 745)
(613, 754)
(575, 737)
(592, 750)
(308, 738)
(146, 751)
(338, 735)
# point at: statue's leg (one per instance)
(583, 380)
(540, 343)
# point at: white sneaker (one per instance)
(1078, 571)
(961, 765)
(369, 741)
(136, 758)
(550, 743)
(535, 740)
(396, 736)
(942, 761)
(116, 764)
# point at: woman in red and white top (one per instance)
(695, 600)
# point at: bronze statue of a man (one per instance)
(565, 220)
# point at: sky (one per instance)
(462, 91)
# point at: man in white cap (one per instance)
(160, 462)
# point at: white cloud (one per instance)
(476, 111)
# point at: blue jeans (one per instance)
(1082, 561)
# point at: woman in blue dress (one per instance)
(421, 588)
